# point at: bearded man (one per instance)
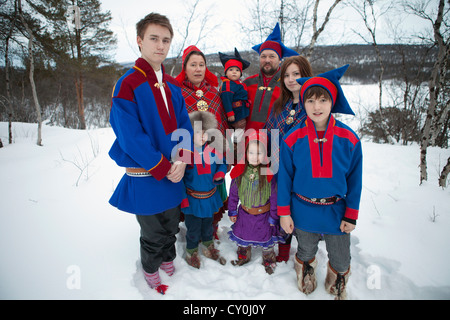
(264, 88)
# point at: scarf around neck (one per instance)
(250, 194)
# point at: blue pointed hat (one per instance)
(273, 42)
(330, 82)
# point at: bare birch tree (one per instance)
(370, 16)
(318, 30)
(437, 84)
(187, 34)
(294, 18)
(30, 37)
(9, 100)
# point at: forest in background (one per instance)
(58, 66)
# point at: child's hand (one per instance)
(231, 119)
(287, 224)
(176, 171)
(233, 219)
(347, 227)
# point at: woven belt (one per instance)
(201, 194)
(137, 172)
(256, 211)
(320, 201)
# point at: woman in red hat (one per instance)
(199, 86)
(199, 89)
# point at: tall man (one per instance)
(147, 109)
(264, 88)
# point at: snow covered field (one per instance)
(60, 239)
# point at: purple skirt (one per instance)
(255, 230)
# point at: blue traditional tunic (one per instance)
(208, 166)
(147, 137)
(313, 169)
(234, 99)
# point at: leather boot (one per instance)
(269, 260)
(193, 259)
(306, 277)
(335, 282)
(212, 253)
(244, 256)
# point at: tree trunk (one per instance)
(317, 32)
(433, 86)
(79, 82)
(33, 89)
(444, 174)
(7, 80)
(31, 75)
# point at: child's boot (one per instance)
(192, 258)
(269, 260)
(154, 281)
(306, 277)
(211, 252)
(336, 282)
(244, 256)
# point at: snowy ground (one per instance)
(60, 239)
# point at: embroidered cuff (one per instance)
(273, 221)
(161, 169)
(284, 210)
(219, 175)
(232, 213)
(351, 213)
(352, 221)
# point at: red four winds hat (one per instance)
(210, 77)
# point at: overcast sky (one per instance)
(226, 16)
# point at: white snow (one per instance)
(60, 239)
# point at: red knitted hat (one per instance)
(210, 77)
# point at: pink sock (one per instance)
(168, 267)
(154, 281)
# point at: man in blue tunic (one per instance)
(147, 115)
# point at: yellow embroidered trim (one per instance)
(140, 71)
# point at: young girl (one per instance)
(201, 182)
(256, 223)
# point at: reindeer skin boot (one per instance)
(306, 276)
(335, 283)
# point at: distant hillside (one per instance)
(399, 60)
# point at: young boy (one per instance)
(233, 92)
(320, 182)
(201, 181)
(147, 109)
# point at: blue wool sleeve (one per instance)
(354, 182)
(286, 175)
(131, 137)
